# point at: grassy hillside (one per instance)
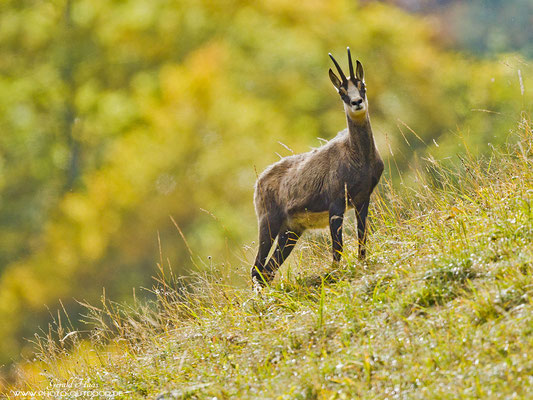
(441, 309)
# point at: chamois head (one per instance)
(352, 89)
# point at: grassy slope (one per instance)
(441, 309)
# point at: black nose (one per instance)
(357, 102)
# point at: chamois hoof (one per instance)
(261, 278)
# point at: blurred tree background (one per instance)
(116, 115)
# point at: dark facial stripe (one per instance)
(345, 97)
(361, 87)
(358, 84)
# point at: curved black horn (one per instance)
(352, 75)
(344, 80)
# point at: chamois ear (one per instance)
(336, 81)
(359, 71)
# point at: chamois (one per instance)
(314, 189)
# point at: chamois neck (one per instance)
(361, 138)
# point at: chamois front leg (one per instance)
(286, 241)
(268, 230)
(362, 213)
(336, 216)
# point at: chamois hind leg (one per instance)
(268, 230)
(336, 217)
(286, 241)
(361, 214)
